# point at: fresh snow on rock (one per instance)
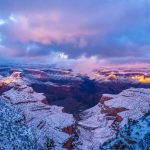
(137, 101)
(93, 129)
(14, 134)
(134, 136)
(46, 121)
(102, 122)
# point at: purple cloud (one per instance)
(107, 29)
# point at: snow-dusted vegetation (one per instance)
(14, 134)
(134, 136)
(105, 120)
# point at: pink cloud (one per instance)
(45, 29)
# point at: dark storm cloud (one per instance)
(105, 28)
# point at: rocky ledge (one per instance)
(105, 120)
(48, 122)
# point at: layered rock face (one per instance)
(50, 123)
(103, 121)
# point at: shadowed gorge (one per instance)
(74, 93)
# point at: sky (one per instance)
(96, 31)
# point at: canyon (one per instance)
(71, 111)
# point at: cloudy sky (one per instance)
(111, 31)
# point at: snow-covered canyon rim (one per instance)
(96, 125)
(105, 120)
(48, 122)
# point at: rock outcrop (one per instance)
(48, 122)
(134, 136)
(105, 120)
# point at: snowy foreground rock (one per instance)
(14, 134)
(49, 123)
(108, 118)
(134, 136)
